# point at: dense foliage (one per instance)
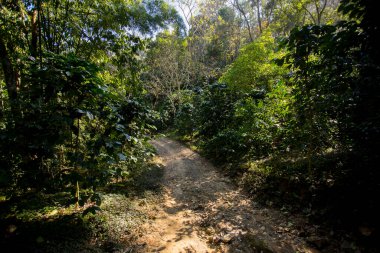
(293, 112)
(284, 94)
(71, 100)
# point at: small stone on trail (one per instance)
(198, 207)
(227, 238)
(215, 239)
(143, 203)
(209, 231)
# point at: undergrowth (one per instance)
(327, 189)
(105, 221)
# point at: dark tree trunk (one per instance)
(259, 16)
(241, 10)
(33, 46)
(257, 3)
(11, 78)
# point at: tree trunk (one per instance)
(33, 46)
(1, 103)
(11, 78)
(241, 10)
(257, 3)
(259, 15)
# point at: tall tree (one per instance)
(71, 71)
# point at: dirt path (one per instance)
(202, 211)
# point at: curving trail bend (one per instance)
(202, 211)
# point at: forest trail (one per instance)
(202, 211)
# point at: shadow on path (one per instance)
(204, 212)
